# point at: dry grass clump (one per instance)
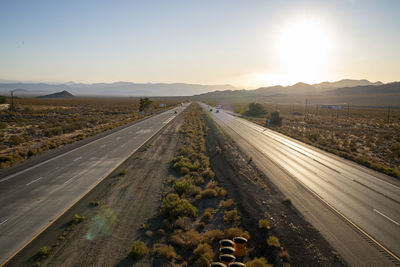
(212, 235)
(203, 254)
(226, 203)
(273, 241)
(185, 239)
(264, 224)
(258, 262)
(173, 206)
(78, 219)
(139, 250)
(208, 213)
(284, 255)
(209, 193)
(164, 251)
(232, 216)
(235, 231)
(44, 251)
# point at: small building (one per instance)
(336, 107)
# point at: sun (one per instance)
(304, 49)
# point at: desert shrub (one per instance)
(198, 180)
(258, 262)
(174, 207)
(164, 251)
(256, 110)
(182, 165)
(122, 172)
(287, 201)
(44, 251)
(78, 219)
(182, 222)
(235, 231)
(185, 239)
(205, 253)
(16, 140)
(264, 224)
(232, 216)
(95, 203)
(221, 192)
(209, 193)
(208, 174)
(139, 250)
(208, 213)
(226, 203)
(284, 255)
(186, 187)
(273, 241)
(211, 235)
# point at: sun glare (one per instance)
(304, 50)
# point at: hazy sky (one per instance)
(245, 43)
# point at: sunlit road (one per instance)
(30, 199)
(368, 199)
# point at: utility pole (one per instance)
(389, 114)
(348, 109)
(12, 100)
(316, 109)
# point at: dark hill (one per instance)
(63, 94)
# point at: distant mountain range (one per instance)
(63, 94)
(111, 89)
(343, 91)
(358, 92)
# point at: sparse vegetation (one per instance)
(139, 250)
(232, 216)
(44, 251)
(273, 241)
(122, 172)
(258, 262)
(264, 224)
(226, 203)
(164, 251)
(78, 219)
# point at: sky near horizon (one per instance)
(247, 43)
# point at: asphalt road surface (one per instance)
(32, 198)
(352, 195)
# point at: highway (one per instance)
(32, 198)
(363, 199)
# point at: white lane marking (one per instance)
(169, 119)
(31, 182)
(78, 158)
(119, 137)
(390, 219)
(4, 221)
(123, 145)
(103, 146)
(70, 179)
